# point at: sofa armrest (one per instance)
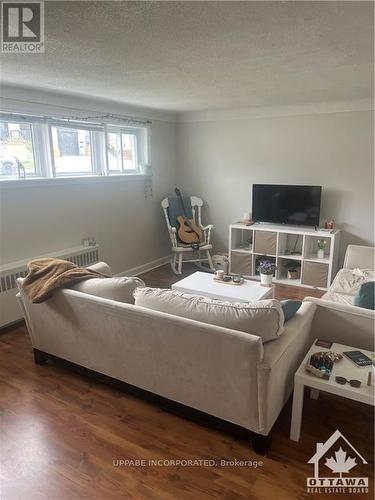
(281, 360)
(25, 315)
(344, 324)
(361, 257)
(101, 267)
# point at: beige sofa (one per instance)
(336, 317)
(222, 372)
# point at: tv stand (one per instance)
(285, 245)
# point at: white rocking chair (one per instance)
(180, 249)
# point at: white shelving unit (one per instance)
(283, 244)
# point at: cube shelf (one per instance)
(284, 245)
(285, 265)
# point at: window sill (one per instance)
(62, 181)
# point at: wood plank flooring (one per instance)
(62, 435)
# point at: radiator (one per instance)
(9, 309)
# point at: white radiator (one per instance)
(9, 309)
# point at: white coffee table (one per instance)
(344, 368)
(203, 284)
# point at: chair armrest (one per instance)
(207, 230)
(344, 324)
(172, 235)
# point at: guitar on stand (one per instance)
(188, 231)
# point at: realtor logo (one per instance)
(339, 461)
(22, 27)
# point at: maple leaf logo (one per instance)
(340, 463)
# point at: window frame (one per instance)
(128, 130)
(43, 151)
(95, 164)
(37, 165)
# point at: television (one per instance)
(281, 204)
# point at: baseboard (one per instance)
(134, 271)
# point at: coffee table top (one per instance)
(344, 368)
(201, 283)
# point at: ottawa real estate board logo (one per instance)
(339, 457)
(22, 27)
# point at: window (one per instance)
(122, 150)
(17, 159)
(39, 147)
(71, 149)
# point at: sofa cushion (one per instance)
(341, 298)
(264, 318)
(290, 307)
(114, 288)
(350, 280)
(365, 296)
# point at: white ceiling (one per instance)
(185, 56)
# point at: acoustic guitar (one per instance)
(188, 232)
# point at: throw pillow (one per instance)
(365, 297)
(290, 307)
(264, 318)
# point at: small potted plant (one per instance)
(321, 248)
(293, 268)
(266, 270)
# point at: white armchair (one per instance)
(337, 318)
(179, 250)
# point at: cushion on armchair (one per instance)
(350, 280)
(264, 318)
(340, 298)
(365, 297)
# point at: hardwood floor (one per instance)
(63, 434)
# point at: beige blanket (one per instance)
(46, 275)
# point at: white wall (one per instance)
(219, 160)
(44, 218)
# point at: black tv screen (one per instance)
(286, 204)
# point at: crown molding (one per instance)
(37, 100)
(31, 100)
(276, 111)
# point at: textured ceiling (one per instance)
(203, 55)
